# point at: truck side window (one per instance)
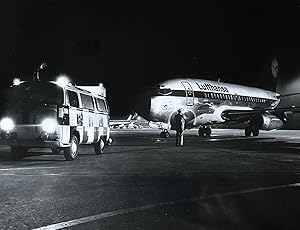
(73, 99)
(101, 105)
(87, 101)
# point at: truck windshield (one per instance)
(36, 93)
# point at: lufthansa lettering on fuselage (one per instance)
(207, 86)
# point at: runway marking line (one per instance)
(8, 169)
(104, 215)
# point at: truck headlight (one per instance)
(7, 124)
(49, 125)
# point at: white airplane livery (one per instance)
(208, 102)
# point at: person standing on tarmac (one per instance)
(179, 121)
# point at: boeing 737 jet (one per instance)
(209, 102)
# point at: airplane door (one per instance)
(189, 93)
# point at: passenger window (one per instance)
(73, 99)
(101, 105)
(87, 101)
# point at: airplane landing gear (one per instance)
(248, 131)
(164, 134)
(204, 131)
(251, 130)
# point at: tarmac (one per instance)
(142, 181)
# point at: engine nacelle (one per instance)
(270, 122)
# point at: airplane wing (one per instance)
(114, 123)
(122, 123)
(241, 115)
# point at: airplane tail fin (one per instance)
(268, 75)
(132, 116)
(129, 117)
(281, 70)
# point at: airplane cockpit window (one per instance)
(164, 91)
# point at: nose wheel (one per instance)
(164, 134)
(204, 131)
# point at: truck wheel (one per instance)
(18, 152)
(99, 146)
(71, 152)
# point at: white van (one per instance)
(57, 116)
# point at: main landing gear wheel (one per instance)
(71, 152)
(164, 134)
(18, 152)
(248, 131)
(255, 132)
(99, 146)
(251, 130)
(204, 131)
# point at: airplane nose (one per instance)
(143, 104)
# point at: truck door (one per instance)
(189, 93)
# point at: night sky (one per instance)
(132, 47)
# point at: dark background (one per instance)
(130, 47)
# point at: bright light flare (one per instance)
(49, 125)
(16, 81)
(62, 80)
(7, 124)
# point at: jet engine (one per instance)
(270, 122)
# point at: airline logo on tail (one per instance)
(274, 67)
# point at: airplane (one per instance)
(207, 102)
(120, 123)
(128, 123)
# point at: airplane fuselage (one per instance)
(204, 101)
